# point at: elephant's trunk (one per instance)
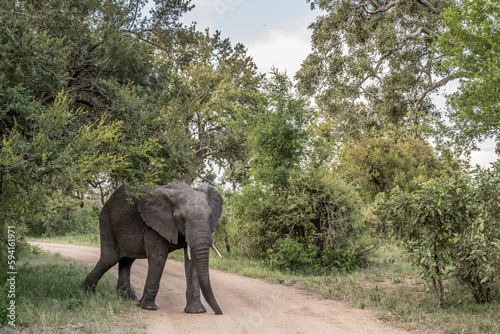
(200, 255)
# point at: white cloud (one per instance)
(486, 155)
(274, 39)
(280, 49)
(284, 48)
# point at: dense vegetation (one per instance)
(97, 93)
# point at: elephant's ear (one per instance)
(156, 209)
(214, 201)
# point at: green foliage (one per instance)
(471, 48)
(316, 222)
(378, 164)
(290, 212)
(75, 79)
(212, 92)
(66, 215)
(291, 254)
(450, 225)
(92, 91)
(57, 151)
(278, 138)
(371, 64)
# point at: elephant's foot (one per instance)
(196, 307)
(148, 304)
(127, 294)
(87, 288)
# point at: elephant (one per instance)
(150, 223)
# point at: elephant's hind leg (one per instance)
(123, 287)
(102, 266)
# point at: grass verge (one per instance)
(48, 299)
(92, 239)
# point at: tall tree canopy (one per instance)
(278, 138)
(215, 93)
(90, 62)
(372, 64)
(378, 164)
(95, 90)
(470, 45)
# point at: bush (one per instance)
(291, 254)
(66, 216)
(316, 222)
(451, 226)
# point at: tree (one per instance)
(73, 77)
(316, 222)
(470, 46)
(83, 61)
(372, 63)
(213, 94)
(278, 138)
(93, 91)
(291, 211)
(378, 164)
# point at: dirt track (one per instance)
(249, 305)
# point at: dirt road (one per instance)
(249, 305)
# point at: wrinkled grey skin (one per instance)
(166, 218)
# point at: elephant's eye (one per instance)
(179, 218)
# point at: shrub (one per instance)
(291, 254)
(451, 226)
(315, 222)
(65, 215)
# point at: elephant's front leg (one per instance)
(157, 253)
(193, 301)
(156, 263)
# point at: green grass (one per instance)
(49, 300)
(76, 239)
(389, 285)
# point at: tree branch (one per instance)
(379, 63)
(374, 4)
(217, 128)
(381, 9)
(204, 148)
(135, 14)
(435, 85)
(430, 6)
(384, 9)
(207, 180)
(416, 33)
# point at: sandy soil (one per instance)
(249, 305)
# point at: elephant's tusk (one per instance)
(216, 250)
(189, 252)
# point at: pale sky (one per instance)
(274, 31)
(276, 34)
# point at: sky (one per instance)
(276, 34)
(274, 31)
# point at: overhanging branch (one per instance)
(379, 9)
(419, 31)
(430, 6)
(392, 4)
(434, 86)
